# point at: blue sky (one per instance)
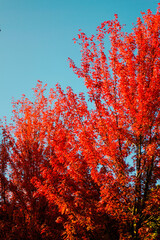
(36, 40)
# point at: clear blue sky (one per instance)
(36, 40)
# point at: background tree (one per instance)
(52, 194)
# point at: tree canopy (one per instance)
(70, 172)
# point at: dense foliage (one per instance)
(67, 172)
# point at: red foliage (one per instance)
(89, 174)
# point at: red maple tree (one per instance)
(125, 122)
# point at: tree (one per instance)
(125, 122)
(92, 174)
(26, 150)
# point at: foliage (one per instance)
(68, 172)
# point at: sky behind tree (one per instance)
(36, 40)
